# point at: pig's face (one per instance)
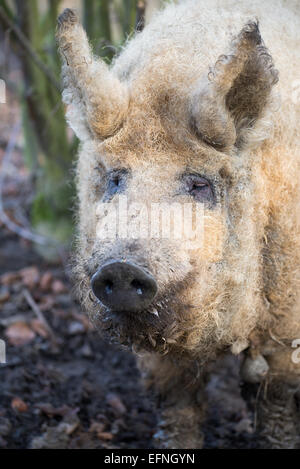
(148, 285)
(169, 140)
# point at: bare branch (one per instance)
(40, 316)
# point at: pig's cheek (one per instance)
(204, 288)
(209, 248)
(214, 239)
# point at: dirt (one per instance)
(78, 378)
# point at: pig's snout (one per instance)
(122, 286)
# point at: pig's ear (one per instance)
(237, 92)
(97, 102)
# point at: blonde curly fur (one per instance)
(207, 86)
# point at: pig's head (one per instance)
(168, 139)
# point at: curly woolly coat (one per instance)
(208, 88)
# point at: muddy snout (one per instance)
(124, 287)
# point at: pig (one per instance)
(201, 109)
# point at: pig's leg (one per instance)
(274, 402)
(278, 416)
(179, 425)
(180, 399)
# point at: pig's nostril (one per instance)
(138, 286)
(108, 285)
(124, 287)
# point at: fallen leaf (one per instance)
(115, 402)
(30, 276)
(19, 405)
(69, 428)
(51, 411)
(46, 303)
(19, 334)
(6, 322)
(9, 278)
(58, 287)
(46, 281)
(39, 327)
(106, 436)
(97, 427)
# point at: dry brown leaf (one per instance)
(46, 281)
(9, 278)
(115, 402)
(40, 328)
(46, 303)
(106, 436)
(58, 287)
(97, 427)
(19, 405)
(19, 334)
(51, 411)
(30, 276)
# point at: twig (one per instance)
(27, 46)
(20, 231)
(40, 316)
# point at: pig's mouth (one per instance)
(155, 328)
(158, 324)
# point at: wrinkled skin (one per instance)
(160, 128)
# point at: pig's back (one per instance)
(193, 34)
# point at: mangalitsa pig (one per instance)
(200, 110)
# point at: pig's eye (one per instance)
(200, 188)
(116, 181)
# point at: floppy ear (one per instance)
(236, 93)
(96, 100)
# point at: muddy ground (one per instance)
(62, 386)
